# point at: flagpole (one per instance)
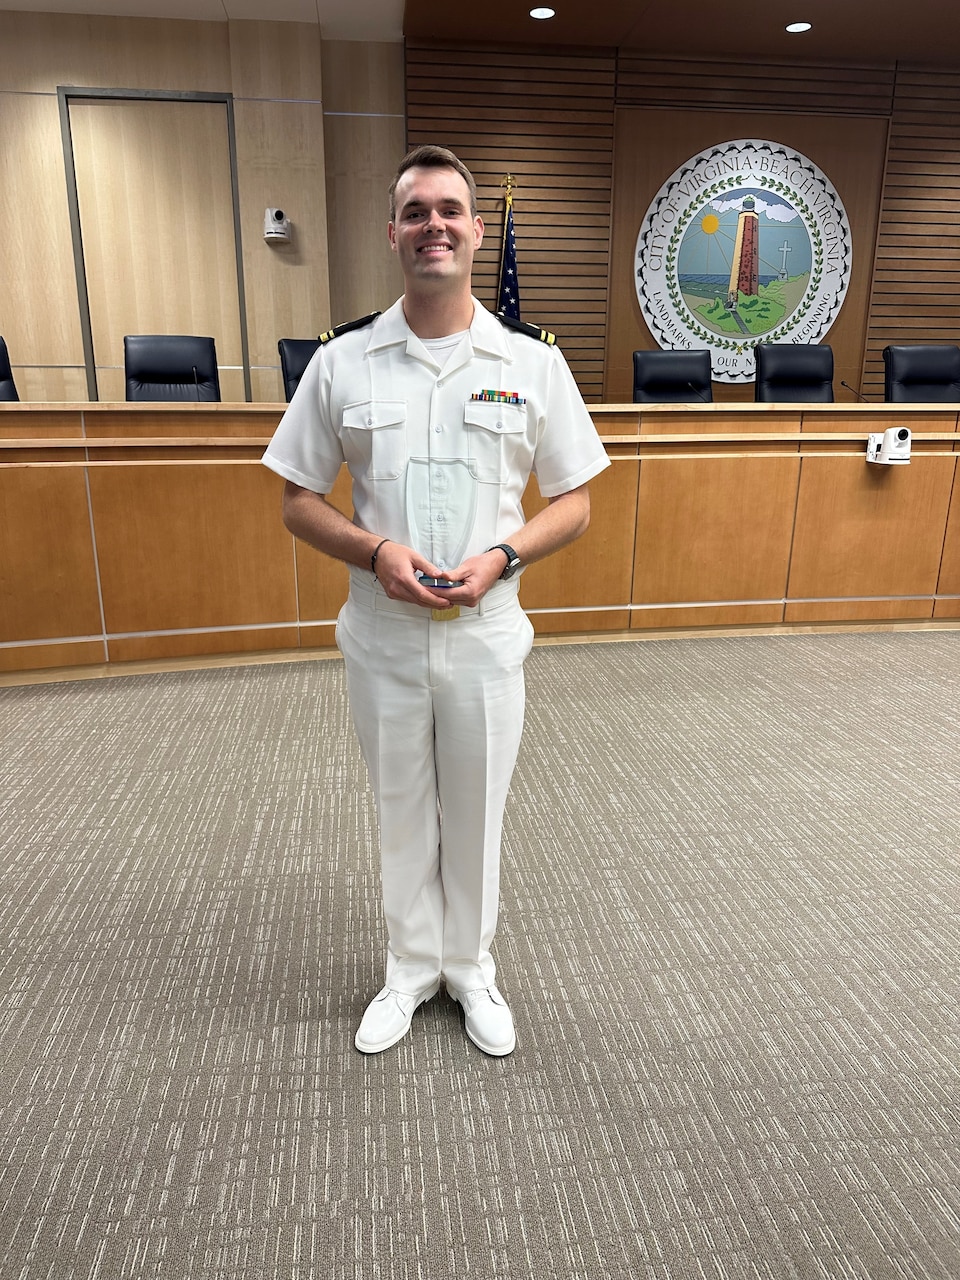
(506, 187)
(508, 288)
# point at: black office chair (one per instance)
(671, 377)
(790, 372)
(8, 388)
(921, 374)
(171, 367)
(295, 355)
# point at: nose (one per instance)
(434, 221)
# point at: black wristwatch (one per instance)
(513, 560)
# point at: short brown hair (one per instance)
(430, 156)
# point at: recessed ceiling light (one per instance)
(799, 26)
(543, 13)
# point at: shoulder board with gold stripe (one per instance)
(531, 330)
(339, 329)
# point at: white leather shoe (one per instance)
(487, 1020)
(388, 1016)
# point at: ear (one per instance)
(477, 232)
(392, 236)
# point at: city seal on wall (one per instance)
(747, 242)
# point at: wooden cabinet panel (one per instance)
(949, 582)
(714, 529)
(191, 546)
(848, 418)
(47, 657)
(721, 421)
(690, 529)
(718, 615)
(596, 569)
(48, 583)
(867, 531)
(150, 648)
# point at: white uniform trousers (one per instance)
(438, 709)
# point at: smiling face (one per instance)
(434, 234)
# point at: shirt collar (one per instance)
(486, 332)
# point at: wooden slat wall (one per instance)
(547, 118)
(723, 86)
(916, 282)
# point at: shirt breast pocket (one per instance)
(375, 438)
(495, 436)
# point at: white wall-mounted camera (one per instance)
(891, 447)
(276, 227)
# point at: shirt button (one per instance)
(438, 429)
(499, 426)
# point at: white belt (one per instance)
(369, 594)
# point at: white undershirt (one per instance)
(442, 348)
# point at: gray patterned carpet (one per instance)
(730, 937)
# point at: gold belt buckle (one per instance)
(445, 615)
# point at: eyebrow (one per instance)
(414, 203)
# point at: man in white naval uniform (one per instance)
(440, 412)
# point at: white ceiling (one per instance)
(339, 19)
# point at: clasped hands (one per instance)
(398, 566)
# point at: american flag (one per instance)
(508, 292)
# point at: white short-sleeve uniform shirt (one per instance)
(439, 456)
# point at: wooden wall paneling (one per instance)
(45, 383)
(593, 574)
(365, 139)
(275, 61)
(267, 384)
(916, 286)
(362, 157)
(364, 77)
(39, 51)
(546, 117)
(277, 83)
(769, 87)
(281, 165)
(38, 303)
(714, 530)
(651, 144)
(48, 584)
(868, 534)
(156, 214)
(185, 546)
